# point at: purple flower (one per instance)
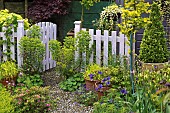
(91, 76)
(99, 87)
(108, 78)
(108, 83)
(104, 80)
(123, 91)
(167, 84)
(99, 72)
(48, 105)
(155, 66)
(137, 78)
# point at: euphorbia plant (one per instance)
(32, 50)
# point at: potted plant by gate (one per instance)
(8, 73)
(102, 86)
(94, 74)
(153, 48)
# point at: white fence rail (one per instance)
(119, 44)
(48, 31)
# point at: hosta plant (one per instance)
(72, 83)
(28, 81)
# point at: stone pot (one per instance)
(153, 66)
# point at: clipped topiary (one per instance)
(153, 48)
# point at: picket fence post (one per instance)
(77, 29)
(20, 34)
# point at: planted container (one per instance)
(8, 73)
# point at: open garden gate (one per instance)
(49, 32)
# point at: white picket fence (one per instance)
(48, 31)
(123, 47)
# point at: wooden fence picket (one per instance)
(106, 47)
(102, 45)
(91, 32)
(20, 34)
(98, 47)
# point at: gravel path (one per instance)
(66, 102)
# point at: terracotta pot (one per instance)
(101, 92)
(8, 81)
(90, 84)
(153, 66)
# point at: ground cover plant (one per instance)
(25, 80)
(72, 83)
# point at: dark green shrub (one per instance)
(153, 48)
(32, 51)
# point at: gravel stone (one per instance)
(66, 100)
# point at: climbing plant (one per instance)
(8, 21)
